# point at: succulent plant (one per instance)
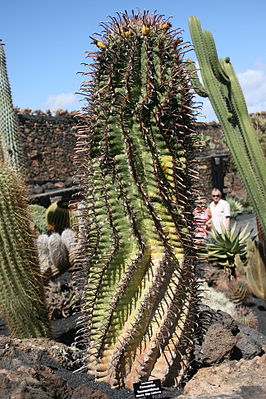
(236, 208)
(63, 299)
(37, 213)
(216, 300)
(226, 246)
(55, 253)
(246, 316)
(22, 302)
(223, 89)
(10, 145)
(254, 270)
(137, 142)
(57, 216)
(237, 290)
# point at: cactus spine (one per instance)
(22, 296)
(10, 149)
(225, 94)
(138, 141)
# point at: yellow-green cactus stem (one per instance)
(138, 246)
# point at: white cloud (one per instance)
(60, 101)
(253, 84)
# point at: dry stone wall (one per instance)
(49, 142)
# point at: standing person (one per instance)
(202, 216)
(220, 211)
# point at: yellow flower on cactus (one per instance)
(145, 30)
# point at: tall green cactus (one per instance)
(138, 140)
(225, 94)
(10, 148)
(21, 290)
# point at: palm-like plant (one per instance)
(226, 246)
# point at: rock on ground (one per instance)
(244, 379)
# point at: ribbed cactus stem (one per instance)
(141, 295)
(225, 94)
(21, 290)
(10, 148)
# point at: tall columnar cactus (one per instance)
(10, 148)
(138, 140)
(21, 290)
(222, 87)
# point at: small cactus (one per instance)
(55, 253)
(246, 316)
(57, 217)
(237, 290)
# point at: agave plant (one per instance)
(236, 207)
(226, 246)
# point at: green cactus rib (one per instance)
(10, 147)
(22, 297)
(138, 140)
(227, 99)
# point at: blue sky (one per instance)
(45, 44)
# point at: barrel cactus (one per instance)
(57, 216)
(10, 146)
(135, 148)
(22, 296)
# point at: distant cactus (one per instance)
(22, 302)
(221, 85)
(237, 290)
(138, 135)
(246, 316)
(37, 214)
(255, 268)
(55, 253)
(57, 217)
(10, 146)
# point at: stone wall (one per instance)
(49, 143)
